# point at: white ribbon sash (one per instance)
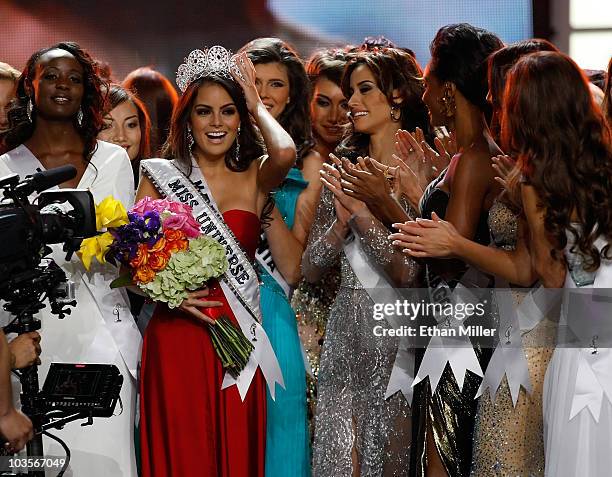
(380, 291)
(509, 357)
(112, 304)
(456, 350)
(589, 317)
(264, 258)
(240, 284)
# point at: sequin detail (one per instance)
(508, 440)
(352, 414)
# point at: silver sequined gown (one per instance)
(352, 416)
(508, 440)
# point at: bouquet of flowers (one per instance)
(161, 244)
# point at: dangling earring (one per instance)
(237, 150)
(79, 117)
(395, 117)
(190, 140)
(448, 101)
(29, 108)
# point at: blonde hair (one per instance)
(7, 72)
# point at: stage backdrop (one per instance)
(128, 34)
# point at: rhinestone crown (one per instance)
(214, 60)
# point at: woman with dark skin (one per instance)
(55, 122)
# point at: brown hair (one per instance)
(159, 98)
(564, 148)
(117, 95)
(607, 104)
(394, 69)
(177, 146)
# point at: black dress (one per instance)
(449, 413)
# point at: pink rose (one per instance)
(148, 204)
(183, 222)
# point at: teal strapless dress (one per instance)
(287, 438)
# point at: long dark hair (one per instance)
(394, 69)
(564, 148)
(92, 104)
(159, 97)
(295, 118)
(500, 62)
(607, 104)
(177, 145)
(459, 55)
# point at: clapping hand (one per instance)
(503, 165)
(366, 181)
(345, 204)
(426, 238)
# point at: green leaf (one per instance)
(122, 281)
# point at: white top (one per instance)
(100, 328)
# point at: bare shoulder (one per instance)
(312, 164)
(146, 189)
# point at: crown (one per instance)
(213, 60)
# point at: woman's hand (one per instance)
(365, 181)
(446, 147)
(503, 165)
(427, 238)
(345, 205)
(194, 301)
(243, 72)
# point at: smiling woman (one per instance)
(57, 116)
(127, 124)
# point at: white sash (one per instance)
(113, 305)
(264, 258)
(509, 356)
(240, 284)
(457, 351)
(588, 315)
(381, 291)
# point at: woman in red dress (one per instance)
(189, 425)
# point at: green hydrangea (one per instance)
(188, 270)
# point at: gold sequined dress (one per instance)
(508, 440)
(352, 414)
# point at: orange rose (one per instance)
(141, 258)
(144, 274)
(176, 246)
(158, 261)
(173, 235)
(159, 245)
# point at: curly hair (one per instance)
(295, 118)
(177, 146)
(459, 55)
(564, 149)
(394, 69)
(92, 103)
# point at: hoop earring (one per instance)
(79, 117)
(395, 118)
(29, 108)
(189, 137)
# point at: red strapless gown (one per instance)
(189, 426)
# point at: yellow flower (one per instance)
(110, 213)
(95, 247)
